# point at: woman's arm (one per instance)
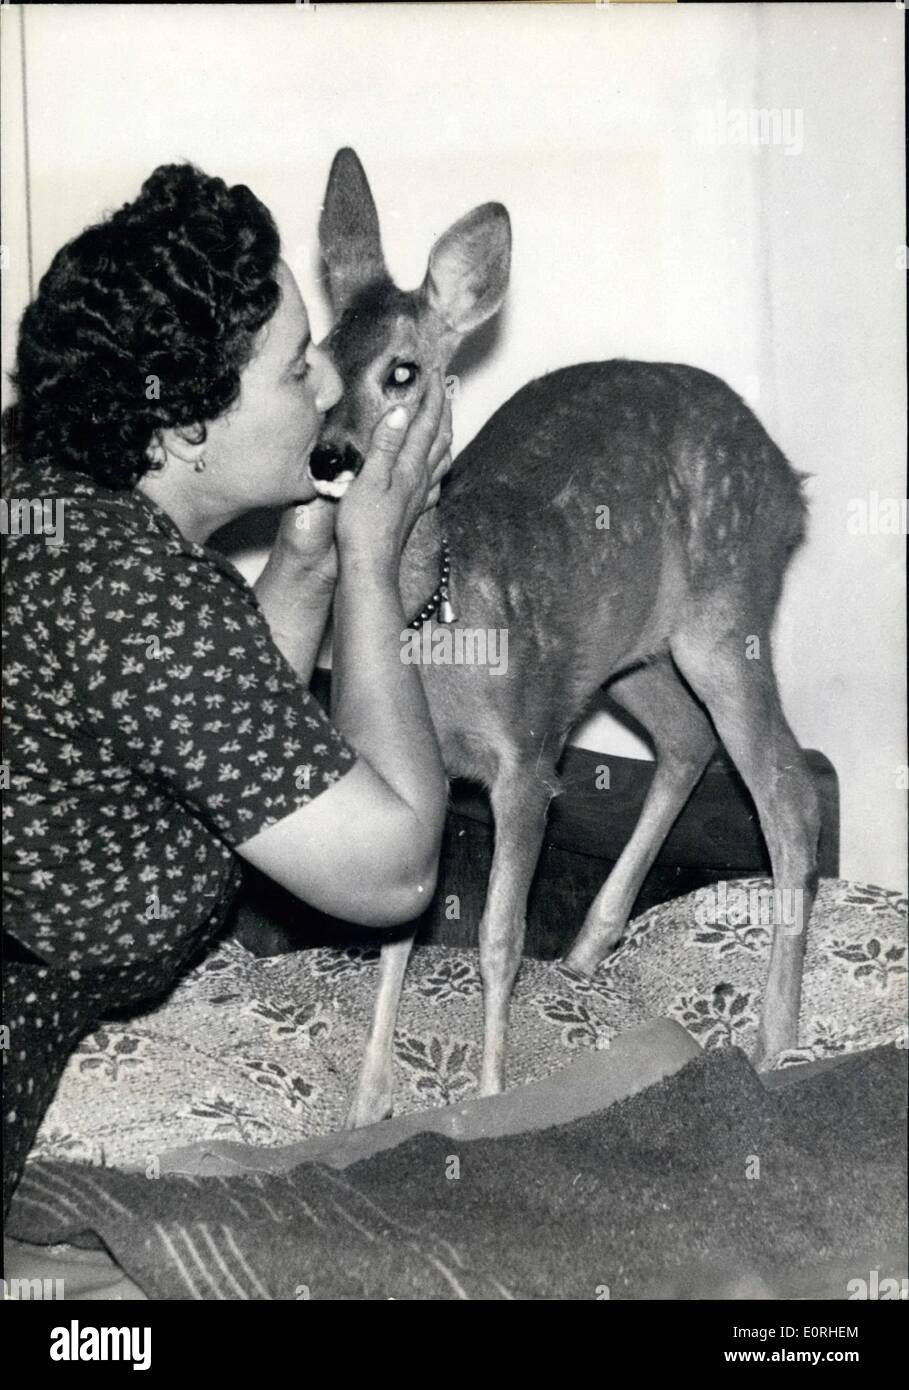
(297, 605)
(367, 849)
(296, 587)
(378, 701)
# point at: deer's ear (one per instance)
(468, 268)
(349, 230)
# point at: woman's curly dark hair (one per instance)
(174, 286)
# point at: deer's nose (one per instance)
(327, 460)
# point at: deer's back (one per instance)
(656, 443)
(590, 507)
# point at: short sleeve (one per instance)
(178, 677)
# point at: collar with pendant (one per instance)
(438, 602)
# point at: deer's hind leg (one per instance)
(683, 740)
(728, 663)
(520, 797)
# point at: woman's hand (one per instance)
(400, 478)
(305, 543)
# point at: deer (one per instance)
(666, 604)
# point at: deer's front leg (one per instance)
(375, 1085)
(520, 801)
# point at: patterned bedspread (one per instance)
(266, 1051)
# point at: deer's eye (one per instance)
(401, 376)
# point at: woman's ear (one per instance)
(156, 453)
(186, 442)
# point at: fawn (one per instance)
(668, 603)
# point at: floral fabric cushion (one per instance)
(266, 1051)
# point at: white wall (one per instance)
(632, 237)
(834, 349)
(14, 229)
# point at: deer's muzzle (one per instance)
(332, 467)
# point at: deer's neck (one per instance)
(419, 573)
(420, 563)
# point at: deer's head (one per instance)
(385, 341)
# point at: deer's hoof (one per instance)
(369, 1109)
(579, 964)
(594, 944)
(767, 1051)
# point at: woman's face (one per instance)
(257, 451)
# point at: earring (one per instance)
(200, 464)
(156, 454)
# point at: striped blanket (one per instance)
(577, 1211)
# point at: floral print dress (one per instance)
(150, 726)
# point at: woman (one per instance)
(157, 726)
